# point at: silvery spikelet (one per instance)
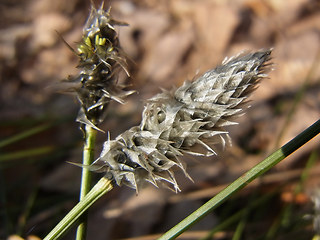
(100, 60)
(190, 119)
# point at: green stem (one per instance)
(88, 158)
(24, 135)
(237, 216)
(23, 154)
(242, 181)
(103, 186)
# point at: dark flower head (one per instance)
(100, 61)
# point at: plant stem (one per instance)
(103, 186)
(243, 180)
(24, 135)
(23, 154)
(88, 158)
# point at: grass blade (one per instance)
(243, 180)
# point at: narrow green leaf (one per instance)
(243, 180)
(103, 186)
(24, 135)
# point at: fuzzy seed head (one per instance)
(190, 119)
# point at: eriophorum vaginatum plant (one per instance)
(182, 120)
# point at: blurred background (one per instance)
(167, 42)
